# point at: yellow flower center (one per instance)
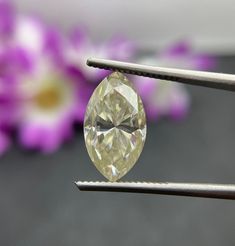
(49, 97)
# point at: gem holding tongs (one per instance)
(118, 119)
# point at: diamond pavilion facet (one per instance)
(115, 126)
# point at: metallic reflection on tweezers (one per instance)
(220, 191)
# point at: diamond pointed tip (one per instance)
(115, 126)
(116, 75)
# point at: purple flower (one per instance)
(9, 113)
(81, 47)
(7, 19)
(182, 55)
(49, 110)
(36, 40)
(46, 97)
(170, 99)
(9, 100)
(51, 106)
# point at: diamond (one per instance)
(115, 126)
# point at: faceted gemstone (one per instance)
(115, 126)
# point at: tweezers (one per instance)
(199, 78)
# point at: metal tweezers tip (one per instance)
(199, 78)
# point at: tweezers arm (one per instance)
(200, 78)
(219, 191)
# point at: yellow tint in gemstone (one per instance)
(115, 126)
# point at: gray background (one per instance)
(151, 23)
(40, 205)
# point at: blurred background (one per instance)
(151, 24)
(44, 89)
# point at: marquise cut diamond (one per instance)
(115, 126)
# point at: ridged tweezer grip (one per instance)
(200, 78)
(220, 191)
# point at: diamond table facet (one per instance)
(115, 126)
